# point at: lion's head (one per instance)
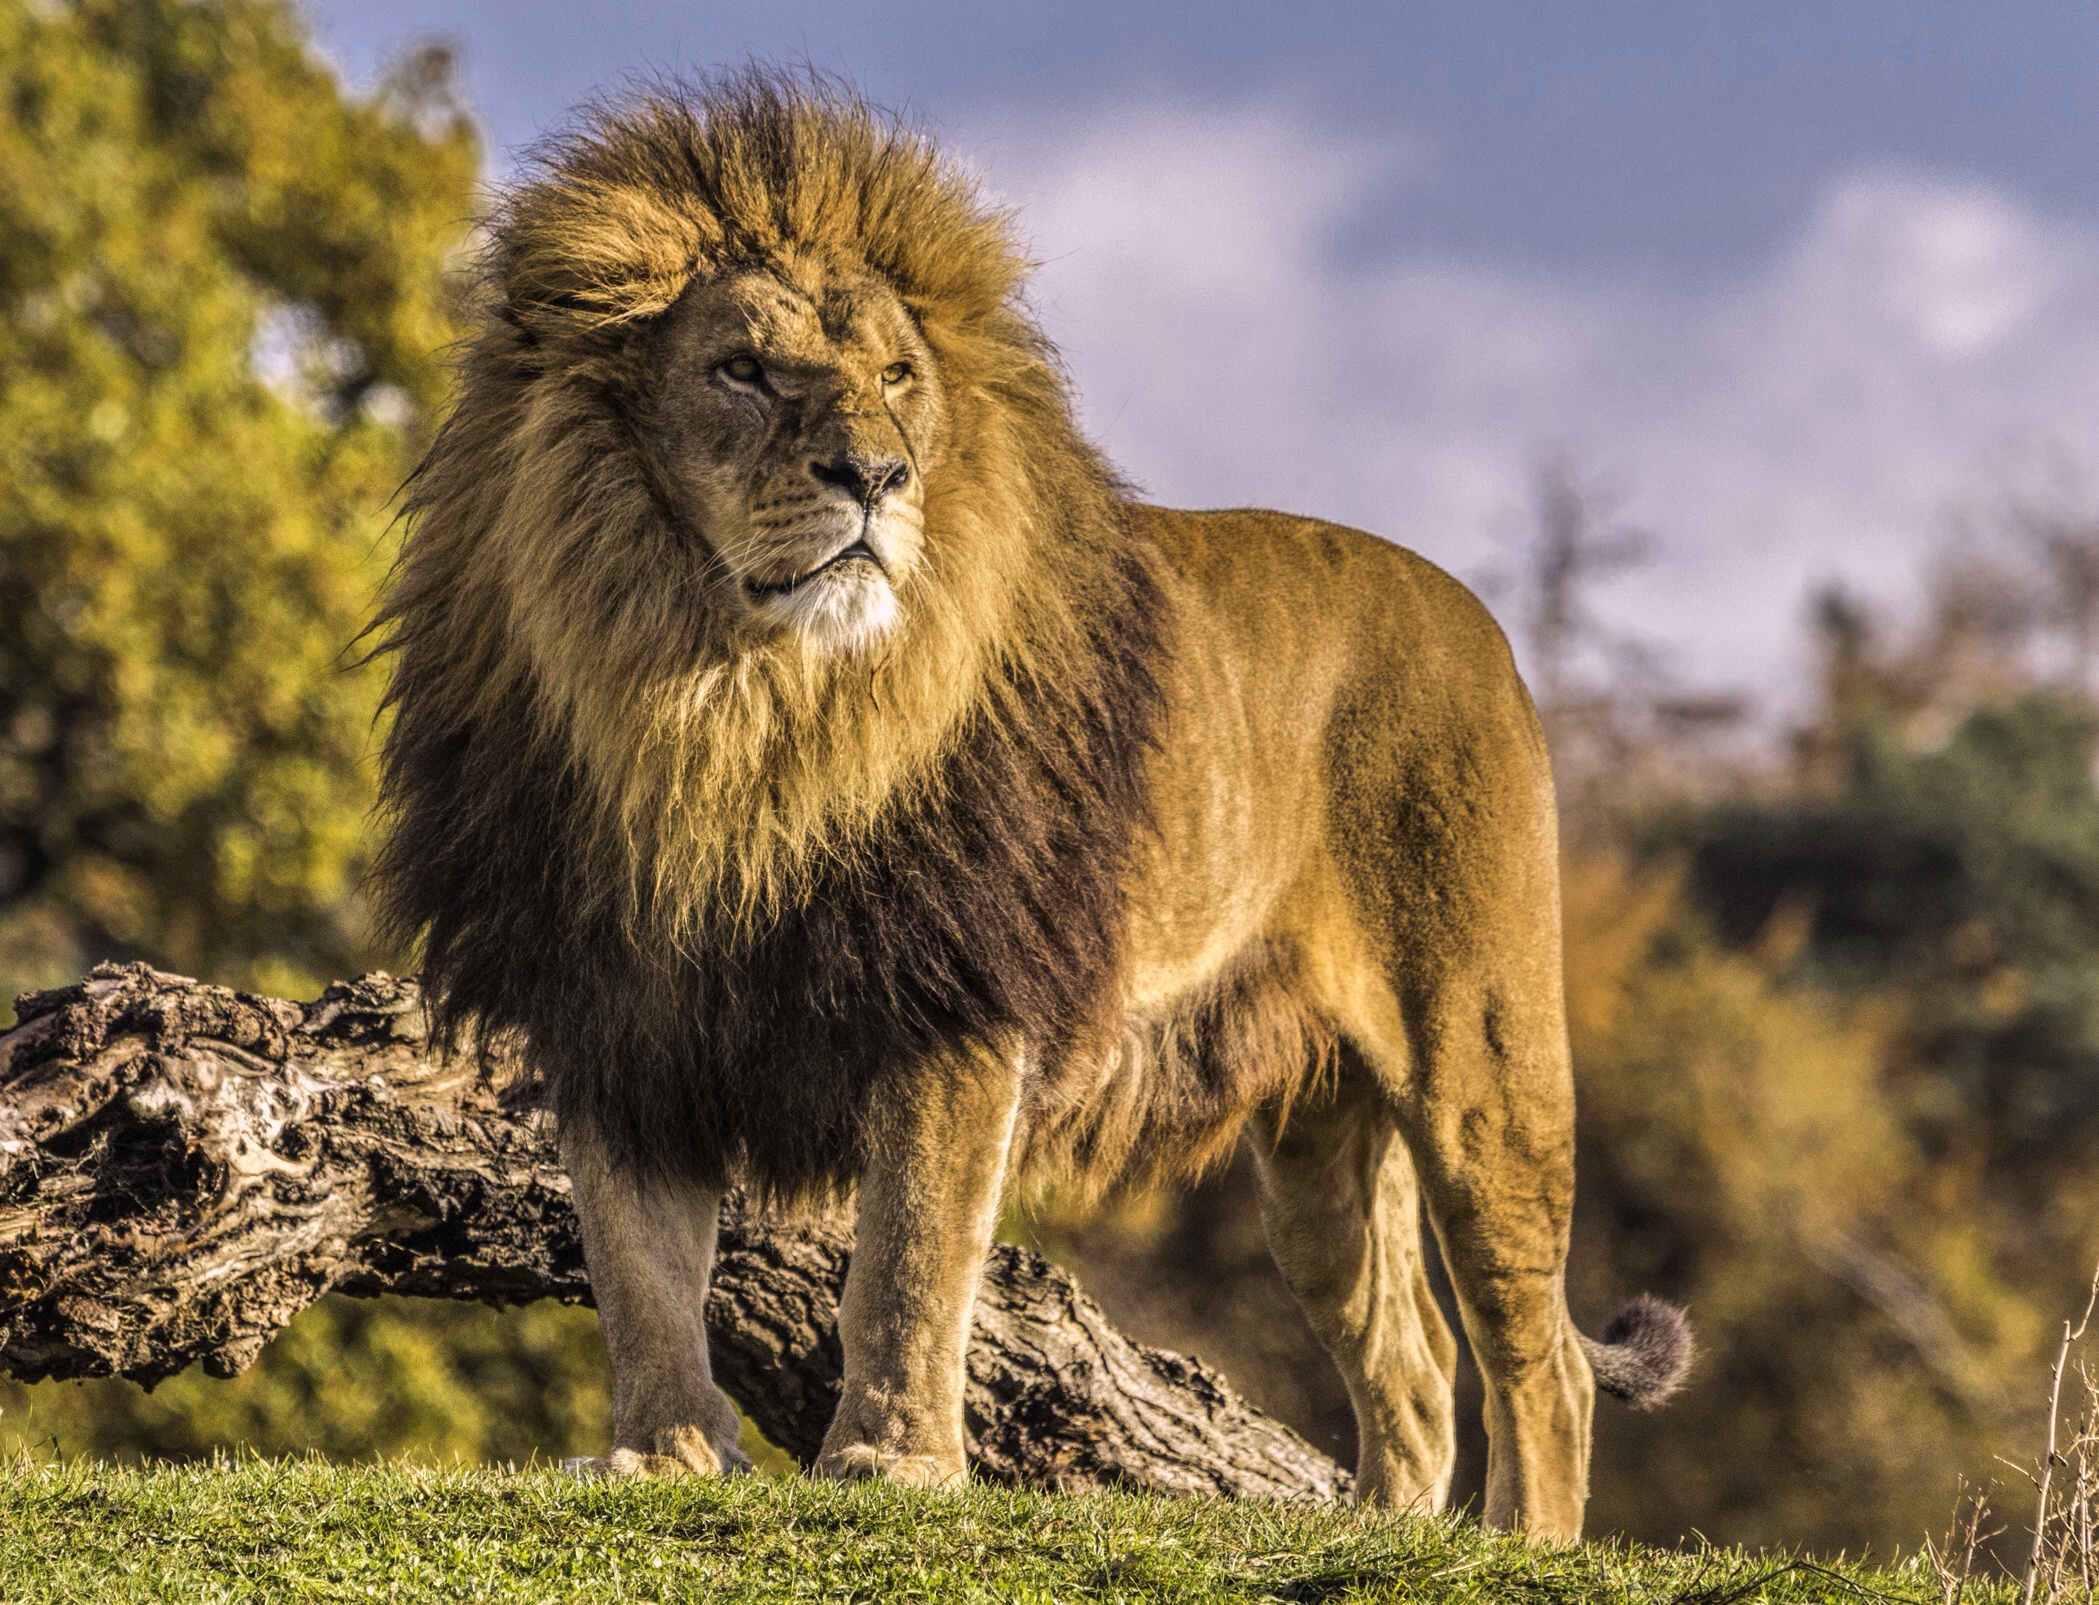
(759, 486)
(795, 411)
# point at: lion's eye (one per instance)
(745, 370)
(896, 373)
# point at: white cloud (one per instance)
(1812, 418)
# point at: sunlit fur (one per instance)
(1053, 835)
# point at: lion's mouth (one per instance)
(858, 552)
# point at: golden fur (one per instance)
(806, 747)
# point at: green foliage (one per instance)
(222, 312)
(1841, 1090)
(353, 1379)
(307, 1531)
(1963, 879)
(1741, 1151)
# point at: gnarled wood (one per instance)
(184, 1168)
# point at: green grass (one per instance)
(307, 1530)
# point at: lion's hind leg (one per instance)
(1481, 1089)
(1339, 1199)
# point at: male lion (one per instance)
(809, 752)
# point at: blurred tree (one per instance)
(1949, 868)
(1741, 1150)
(1576, 542)
(223, 307)
(1882, 1241)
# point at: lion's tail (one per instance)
(1644, 1352)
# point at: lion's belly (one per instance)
(1222, 979)
(1230, 1023)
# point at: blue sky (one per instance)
(1813, 281)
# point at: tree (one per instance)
(1959, 883)
(1848, 1102)
(223, 309)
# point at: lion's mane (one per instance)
(725, 895)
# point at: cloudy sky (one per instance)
(1804, 281)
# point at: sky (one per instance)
(1805, 288)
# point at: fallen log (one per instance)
(184, 1168)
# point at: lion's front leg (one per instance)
(929, 1200)
(649, 1248)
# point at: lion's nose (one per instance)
(866, 479)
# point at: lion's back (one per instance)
(1343, 714)
(1308, 612)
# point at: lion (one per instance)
(838, 783)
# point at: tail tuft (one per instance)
(1645, 1352)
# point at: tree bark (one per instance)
(184, 1168)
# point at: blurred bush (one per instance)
(353, 1379)
(1884, 1205)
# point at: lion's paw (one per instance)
(625, 1463)
(633, 1463)
(855, 1460)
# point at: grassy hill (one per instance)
(306, 1530)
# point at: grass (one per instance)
(298, 1530)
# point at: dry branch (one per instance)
(184, 1168)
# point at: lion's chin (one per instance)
(848, 611)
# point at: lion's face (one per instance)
(796, 416)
